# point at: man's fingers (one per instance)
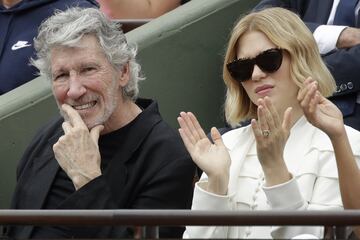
(66, 126)
(95, 132)
(74, 117)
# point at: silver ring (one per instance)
(265, 133)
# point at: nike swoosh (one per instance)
(18, 46)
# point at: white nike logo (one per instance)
(20, 44)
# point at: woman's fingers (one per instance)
(257, 130)
(262, 118)
(309, 95)
(269, 121)
(197, 126)
(273, 117)
(302, 92)
(186, 131)
(310, 101)
(191, 128)
(268, 117)
(286, 124)
(187, 142)
(216, 137)
(314, 101)
(190, 121)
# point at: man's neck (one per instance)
(126, 112)
(9, 3)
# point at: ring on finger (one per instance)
(265, 133)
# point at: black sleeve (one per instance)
(344, 65)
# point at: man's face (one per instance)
(83, 78)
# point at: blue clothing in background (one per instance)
(18, 26)
(343, 63)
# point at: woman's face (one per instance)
(278, 86)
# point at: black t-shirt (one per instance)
(63, 187)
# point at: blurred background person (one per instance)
(19, 22)
(335, 26)
(143, 9)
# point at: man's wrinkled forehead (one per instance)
(87, 46)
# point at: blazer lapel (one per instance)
(31, 185)
(32, 190)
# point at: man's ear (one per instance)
(124, 75)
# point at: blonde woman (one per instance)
(280, 161)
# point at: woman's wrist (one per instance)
(339, 135)
(276, 176)
(218, 184)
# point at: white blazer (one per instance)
(309, 157)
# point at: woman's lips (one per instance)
(264, 89)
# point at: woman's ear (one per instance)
(124, 75)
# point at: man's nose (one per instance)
(76, 88)
(257, 73)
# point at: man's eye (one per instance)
(89, 69)
(60, 76)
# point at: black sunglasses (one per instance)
(268, 61)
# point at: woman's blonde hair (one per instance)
(287, 31)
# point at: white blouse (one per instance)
(310, 158)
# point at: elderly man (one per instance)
(109, 150)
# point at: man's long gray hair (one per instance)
(66, 28)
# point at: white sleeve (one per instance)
(203, 200)
(319, 191)
(287, 196)
(326, 37)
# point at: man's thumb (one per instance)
(95, 132)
